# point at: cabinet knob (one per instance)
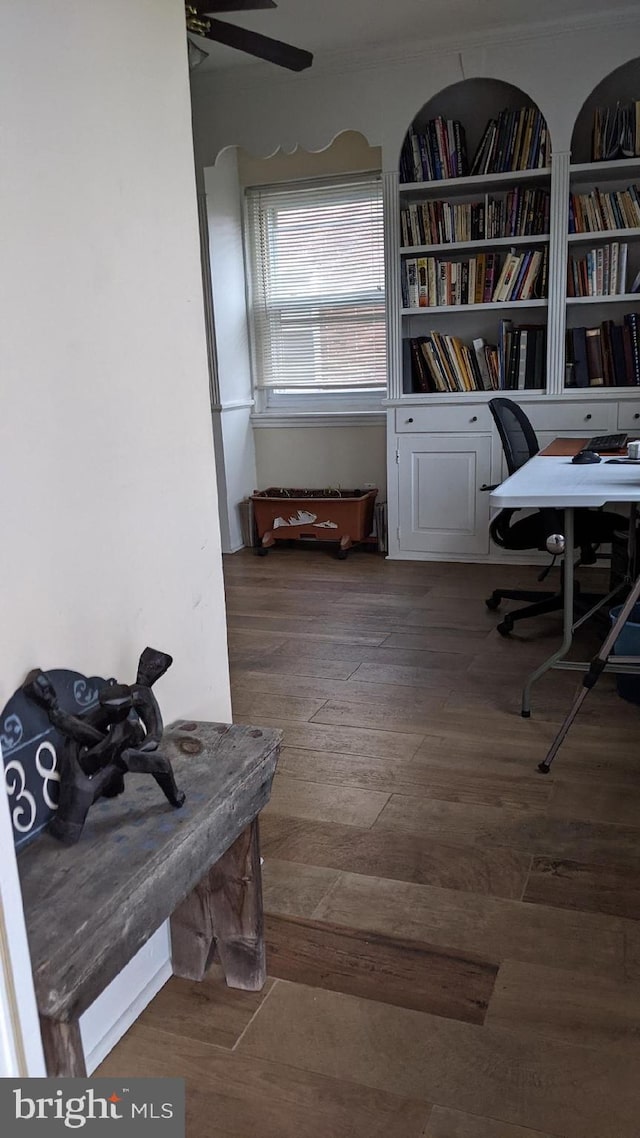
(587, 417)
(637, 415)
(473, 419)
(409, 420)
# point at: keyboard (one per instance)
(607, 442)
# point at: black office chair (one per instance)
(592, 527)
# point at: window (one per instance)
(316, 271)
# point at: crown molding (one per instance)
(348, 60)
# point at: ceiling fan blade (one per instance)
(213, 7)
(263, 47)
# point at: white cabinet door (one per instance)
(442, 509)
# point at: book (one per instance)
(480, 349)
(632, 320)
(617, 350)
(581, 365)
(419, 369)
(594, 357)
(423, 292)
(607, 353)
(434, 151)
(505, 327)
(413, 292)
(522, 359)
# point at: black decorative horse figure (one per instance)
(120, 733)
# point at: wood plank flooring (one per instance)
(453, 940)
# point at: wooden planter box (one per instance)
(341, 516)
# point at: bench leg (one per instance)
(63, 1050)
(224, 913)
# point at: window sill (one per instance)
(291, 418)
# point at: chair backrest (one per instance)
(518, 437)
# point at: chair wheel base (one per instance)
(492, 603)
(261, 551)
(525, 714)
(544, 768)
(341, 554)
(505, 626)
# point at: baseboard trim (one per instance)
(116, 1030)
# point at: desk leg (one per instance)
(568, 563)
(63, 1050)
(224, 914)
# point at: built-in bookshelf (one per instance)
(486, 238)
(572, 361)
(603, 263)
(474, 238)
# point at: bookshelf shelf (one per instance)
(604, 235)
(474, 182)
(493, 306)
(620, 298)
(594, 172)
(471, 246)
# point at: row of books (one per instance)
(616, 132)
(519, 213)
(606, 356)
(515, 140)
(598, 210)
(427, 282)
(436, 152)
(438, 363)
(600, 272)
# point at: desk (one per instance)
(553, 481)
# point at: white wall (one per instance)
(291, 455)
(346, 457)
(232, 412)
(108, 498)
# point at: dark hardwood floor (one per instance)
(453, 939)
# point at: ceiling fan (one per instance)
(199, 15)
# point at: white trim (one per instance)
(489, 306)
(616, 170)
(320, 419)
(468, 183)
(469, 558)
(20, 1044)
(604, 235)
(120, 1004)
(617, 298)
(233, 405)
(485, 243)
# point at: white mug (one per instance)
(633, 449)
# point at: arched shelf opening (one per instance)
(608, 125)
(474, 241)
(500, 129)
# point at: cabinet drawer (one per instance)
(415, 419)
(588, 418)
(629, 417)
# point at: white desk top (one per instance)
(549, 481)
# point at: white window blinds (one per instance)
(316, 254)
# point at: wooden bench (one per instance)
(90, 907)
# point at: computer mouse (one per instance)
(584, 456)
